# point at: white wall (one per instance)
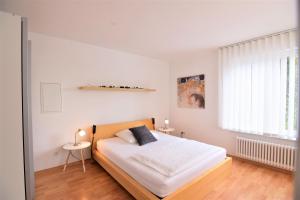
(11, 142)
(202, 124)
(74, 64)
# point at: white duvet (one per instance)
(174, 157)
(120, 153)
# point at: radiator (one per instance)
(276, 155)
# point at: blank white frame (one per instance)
(51, 99)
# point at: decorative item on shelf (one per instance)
(116, 88)
(81, 133)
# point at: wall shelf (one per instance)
(116, 89)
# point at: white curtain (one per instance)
(257, 83)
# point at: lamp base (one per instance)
(76, 144)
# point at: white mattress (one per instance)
(120, 152)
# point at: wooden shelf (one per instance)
(116, 89)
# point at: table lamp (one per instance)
(81, 133)
(166, 123)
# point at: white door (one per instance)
(12, 186)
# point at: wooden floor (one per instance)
(247, 182)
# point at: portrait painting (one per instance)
(191, 91)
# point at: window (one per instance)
(291, 113)
(258, 86)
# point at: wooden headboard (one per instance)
(108, 130)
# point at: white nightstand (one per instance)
(80, 147)
(166, 130)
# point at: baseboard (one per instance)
(262, 165)
(79, 162)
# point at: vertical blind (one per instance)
(258, 85)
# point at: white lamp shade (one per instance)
(166, 121)
(81, 132)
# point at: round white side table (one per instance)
(166, 130)
(80, 147)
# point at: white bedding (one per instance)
(121, 152)
(174, 157)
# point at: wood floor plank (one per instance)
(247, 182)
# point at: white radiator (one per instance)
(281, 156)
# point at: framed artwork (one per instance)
(191, 91)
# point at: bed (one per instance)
(114, 155)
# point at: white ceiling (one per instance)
(163, 29)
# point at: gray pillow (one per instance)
(142, 135)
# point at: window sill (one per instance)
(280, 137)
(266, 135)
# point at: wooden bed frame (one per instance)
(195, 189)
